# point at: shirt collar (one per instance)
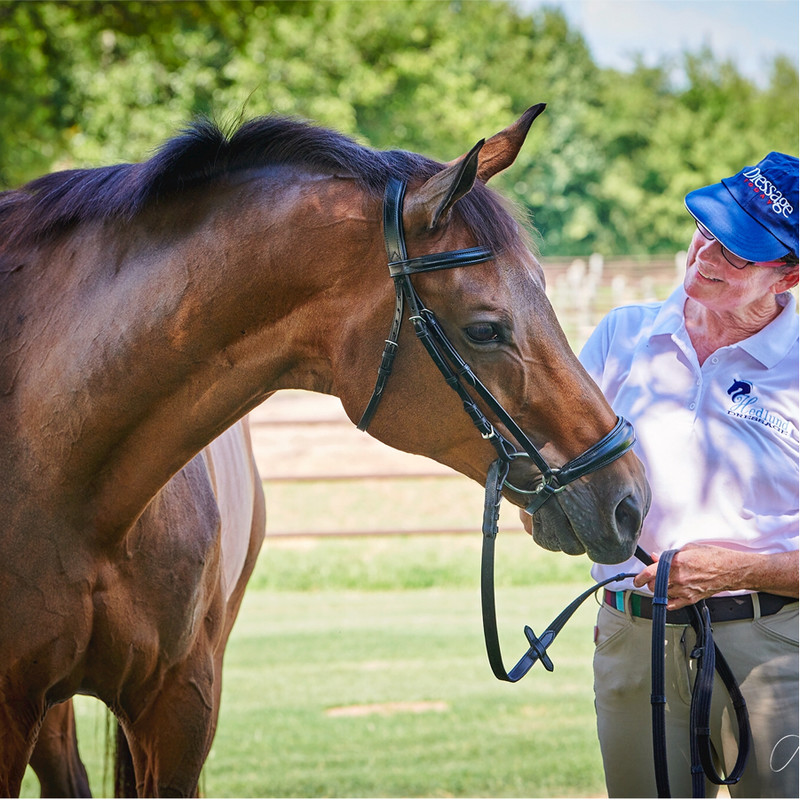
(669, 319)
(774, 341)
(769, 346)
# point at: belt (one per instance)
(722, 609)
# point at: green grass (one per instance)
(371, 504)
(407, 562)
(346, 649)
(307, 642)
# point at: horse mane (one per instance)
(203, 152)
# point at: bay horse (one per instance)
(219, 494)
(148, 307)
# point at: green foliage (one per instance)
(606, 169)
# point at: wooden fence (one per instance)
(582, 291)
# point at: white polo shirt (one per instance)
(720, 442)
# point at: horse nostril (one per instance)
(628, 516)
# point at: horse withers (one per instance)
(147, 307)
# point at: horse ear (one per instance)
(501, 150)
(429, 205)
(431, 202)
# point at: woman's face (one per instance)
(715, 283)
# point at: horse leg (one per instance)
(169, 740)
(19, 726)
(55, 758)
(124, 774)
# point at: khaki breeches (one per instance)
(763, 654)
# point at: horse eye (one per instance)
(483, 332)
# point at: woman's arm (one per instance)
(699, 571)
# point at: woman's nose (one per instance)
(710, 249)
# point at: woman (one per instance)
(709, 379)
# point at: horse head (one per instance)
(495, 314)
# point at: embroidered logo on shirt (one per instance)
(738, 388)
(746, 406)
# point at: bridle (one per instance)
(457, 372)
(458, 375)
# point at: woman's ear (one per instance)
(788, 280)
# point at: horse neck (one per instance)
(186, 322)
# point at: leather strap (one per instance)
(393, 236)
(387, 362)
(709, 660)
(436, 261)
(537, 645)
(658, 698)
(614, 444)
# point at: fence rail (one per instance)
(582, 291)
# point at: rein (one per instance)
(709, 660)
(458, 375)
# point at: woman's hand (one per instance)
(700, 571)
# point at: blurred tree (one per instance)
(31, 89)
(606, 169)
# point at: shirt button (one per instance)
(715, 360)
(692, 406)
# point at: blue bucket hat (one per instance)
(754, 213)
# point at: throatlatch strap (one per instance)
(387, 361)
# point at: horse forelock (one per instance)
(203, 152)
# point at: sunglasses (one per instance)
(731, 258)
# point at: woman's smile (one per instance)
(706, 277)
